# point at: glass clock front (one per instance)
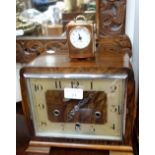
(80, 37)
(84, 107)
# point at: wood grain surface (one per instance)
(110, 17)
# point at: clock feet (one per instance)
(120, 153)
(37, 150)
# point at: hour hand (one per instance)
(80, 38)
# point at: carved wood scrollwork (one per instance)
(111, 17)
(28, 49)
(116, 43)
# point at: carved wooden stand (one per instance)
(37, 148)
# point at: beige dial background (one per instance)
(44, 127)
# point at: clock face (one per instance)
(80, 37)
(71, 107)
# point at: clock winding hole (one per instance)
(97, 114)
(56, 112)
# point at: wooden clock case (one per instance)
(86, 52)
(106, 62)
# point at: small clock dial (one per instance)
(80, 37)
(98, 115)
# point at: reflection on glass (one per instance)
(49, 17)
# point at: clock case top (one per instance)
(105, 62)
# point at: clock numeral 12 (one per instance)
(75, 84)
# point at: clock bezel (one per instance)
(79, 27)
(75, 76)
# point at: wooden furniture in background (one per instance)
(71, 15)
(110, 25)
(110, 17)
(52, 29)
(29, 48)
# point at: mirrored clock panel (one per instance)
(82, 107)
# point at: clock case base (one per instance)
(44, 148)
(105, 62)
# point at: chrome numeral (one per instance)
(91, 85)
(75, 84)
(43, 123)
(62, 127)
(57, 84)
(38, 87)
(113, 126)
(116, 109)
(92, 129)
(41, 106)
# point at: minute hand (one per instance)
(80, 104)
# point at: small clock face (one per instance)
(69, 107)
(80, 37)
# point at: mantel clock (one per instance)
(80, 38)
(86, 104)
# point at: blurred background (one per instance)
(49, 17)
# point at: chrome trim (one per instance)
(77, 136)
(75, 75)
(69, 75)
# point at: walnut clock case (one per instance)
(80, 38)
(86, 104)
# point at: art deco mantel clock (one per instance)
(87, 104)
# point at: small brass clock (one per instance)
(80, 38)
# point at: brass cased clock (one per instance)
(79, 104)
(80, 38)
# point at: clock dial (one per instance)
(80, 37)
(98, 115)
